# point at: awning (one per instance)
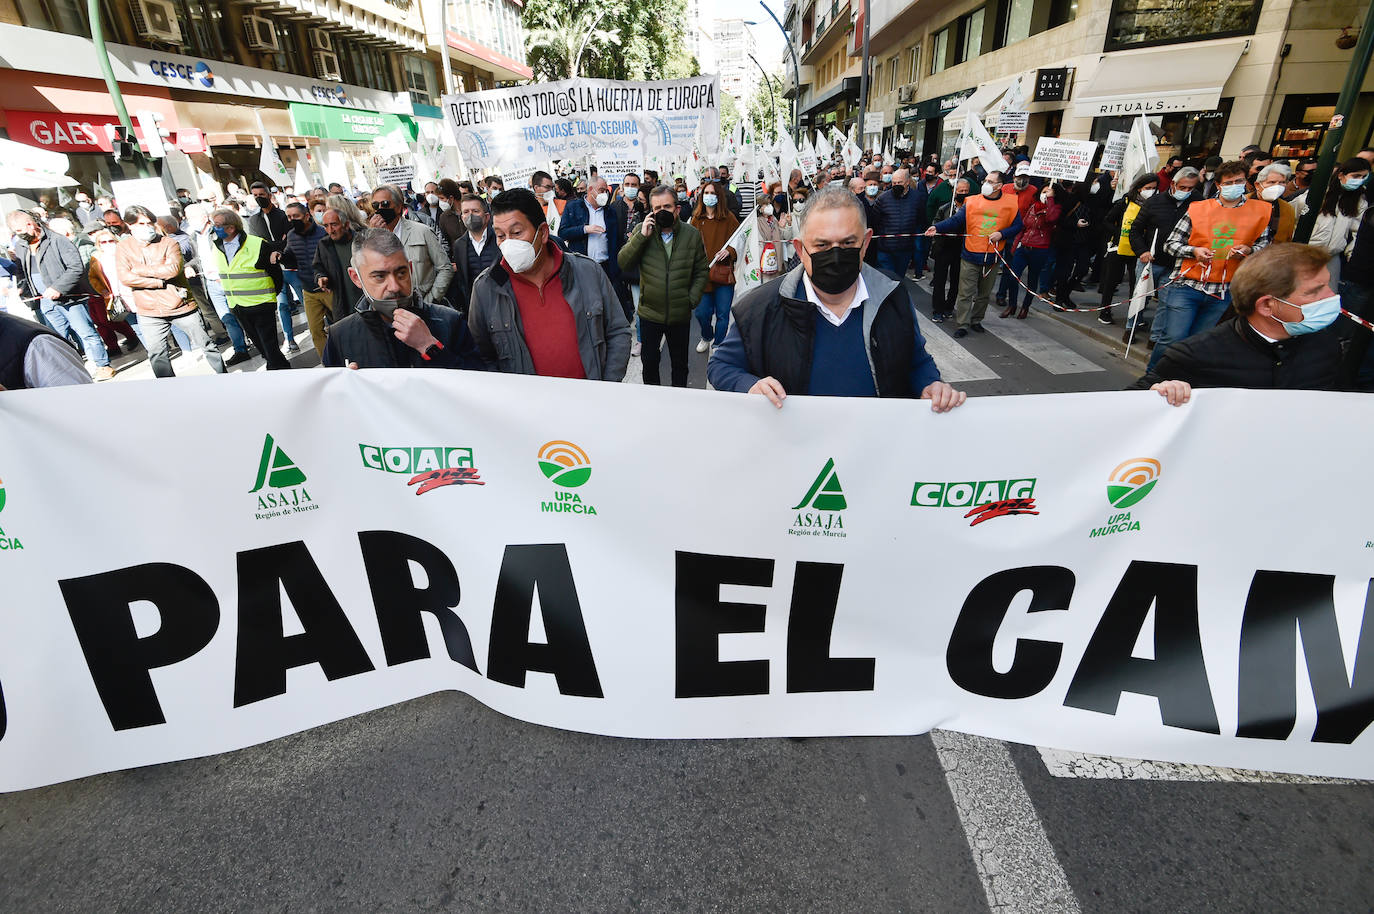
(27, 167)
(983, 98)
(1159, 80)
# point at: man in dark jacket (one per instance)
(899, 212)
(32, 356)
(332, 256)
(1281, 338)
(672, 267)
(55, 280)
(830, 326)
(393, 328)
(270, 224)
(473, 251)
(1156, 219)
(298, 262)
(589, 226)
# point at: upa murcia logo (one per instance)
(568, 467)
(984, 499)
(280, 485)
(429, 468)
(818, 513)
(7, 543)
(1127, 486)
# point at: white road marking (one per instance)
(1012, 853)
(1062, 764)
(956, 363)
(1039, 348)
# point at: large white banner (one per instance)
(1095, 572)
(504, 128)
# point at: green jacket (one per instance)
(669, 288)
(937, 204)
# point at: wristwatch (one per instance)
(434, 349)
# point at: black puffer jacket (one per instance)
(1234, 355)
(365, 338)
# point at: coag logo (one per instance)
(985, 499)
(2, 495)
(565, 464)
(7, 543)
(429, 468)
(204, 75)
(280, 484)
(1132, 481)
(818, 513)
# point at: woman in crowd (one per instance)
(1341, 211)
(1033, 250)
(713, 219)
(1120, 259)
(1073, 240)
(113, 296)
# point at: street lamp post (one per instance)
(796, 73)
(768, 84)
(863, 77)
(103, 58)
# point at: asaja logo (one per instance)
(280, 484)
(7, 543)
(1128, 485)
(985, 500)
(429, 468)
(818, 513)
(567, 466)
(1132, 481)
(565, 463)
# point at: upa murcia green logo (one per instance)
(429, 468)
(1127, 486)
(984, 499)
(7, 543)
(568, 467)
(818, 513)
(280, 484)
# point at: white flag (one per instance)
(1140, 157)
(269, 163)
(824, 151)
(807, 155)
(303, 181)
(975, 141)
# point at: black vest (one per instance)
(778, 334)
(15, 336)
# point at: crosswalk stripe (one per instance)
(1062, 764)
(1040, 349)
(956, 363)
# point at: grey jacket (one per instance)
(60, 264)
(433, 271)
(603, 334)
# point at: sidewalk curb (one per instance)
(1139, 354)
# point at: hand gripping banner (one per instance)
(1096, 572)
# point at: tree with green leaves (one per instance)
(625, 39)
(766, 105)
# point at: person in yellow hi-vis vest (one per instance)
(250, 276)
(1210, 242)
(988, 223)
(1120, 256)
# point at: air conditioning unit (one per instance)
(261, 33)
(326, 65)
(320, 40)
(156, 20)
(906, 93)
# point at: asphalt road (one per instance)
(440, 804)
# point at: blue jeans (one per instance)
(226, 316)
(1035, 261)
(922, 251)
(67, 316)
(716, 302)
(1186, 312)
(895, 262)
(293, 283)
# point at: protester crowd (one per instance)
(573, 276)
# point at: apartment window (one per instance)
(54, 15)
(970, 36)
(1139, 23)
(419, 79)
(1013, 21)
(892, 73)
(287, 59)
(201, 28)
(941, 51)
(913, 64)
(364, 66)
(1062, 11)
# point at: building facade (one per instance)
(323, 81)
(1212, 76)
(735, 51)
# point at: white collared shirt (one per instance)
(478, 242)
(860, 296)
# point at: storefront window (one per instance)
(1140, 23)
(1194, 135)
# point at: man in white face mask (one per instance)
(1270, 185)
(542, 310)
(590, 226)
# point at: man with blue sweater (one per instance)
(830, 326)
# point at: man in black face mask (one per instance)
(393, 326)
(270, 224)
(830, 326)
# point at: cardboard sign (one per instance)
(1063, 160)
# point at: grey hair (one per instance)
(378, 241)
(830, 197)
(196, 213)
(1279, 167)
(1186, 171)
(60, 224)
(397, 198)
(347, 210)
(230, 217)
